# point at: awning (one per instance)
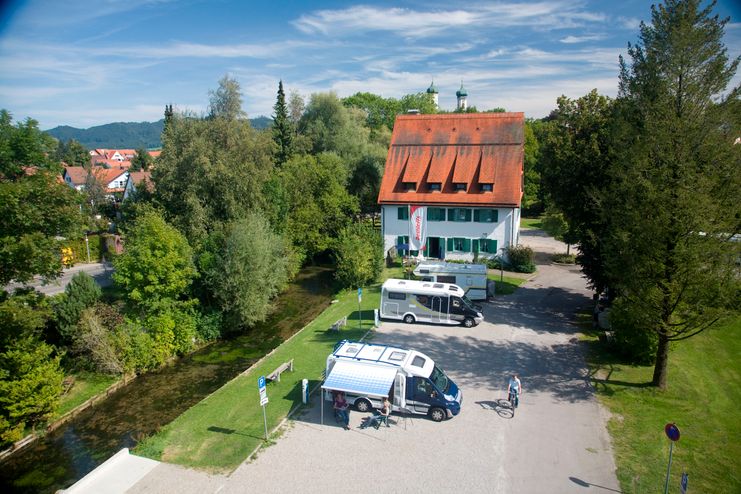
(360, 379)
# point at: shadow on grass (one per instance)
(603, 361)
(224, 430)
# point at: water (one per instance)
(154, 399)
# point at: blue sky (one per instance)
(90, 62)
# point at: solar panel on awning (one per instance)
(360, 379)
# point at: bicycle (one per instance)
(514, 400)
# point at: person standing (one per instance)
(341, 409)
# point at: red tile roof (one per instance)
(77, 174)
(470, 148)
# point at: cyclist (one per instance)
(514, 387)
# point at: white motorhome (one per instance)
(367, 373)
(470, 277)
(424, 301)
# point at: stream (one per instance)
(154, 399)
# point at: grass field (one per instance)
(507, 285)
(87, 385)
(530, 223)
(703, 399)
(220, 432)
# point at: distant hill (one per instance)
(126, 135)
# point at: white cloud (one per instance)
(630, 23)
(581, 39)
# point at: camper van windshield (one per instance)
(439, 379)
(468, 301)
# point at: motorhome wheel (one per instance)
(437, 414)
(468, 322)
(409, 319)
(363, 405)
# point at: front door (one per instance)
(436, 307)
(399, 388)
(423, 393)
(434, 246)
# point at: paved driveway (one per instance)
(557, 442)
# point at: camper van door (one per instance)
(400, 391)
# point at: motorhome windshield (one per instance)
(439, 379)
(468, 302)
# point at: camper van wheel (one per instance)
(437, 414)
(409, 319)
(363, 405)
(468, 322)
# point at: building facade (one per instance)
(452, 185)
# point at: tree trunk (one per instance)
(662, 358)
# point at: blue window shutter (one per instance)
(450, 245)
(476, 215)
(493, 246)
(451, 214)
(403, 212)
(466, 245)
(495, 215)
(468, 214)
(475, 245)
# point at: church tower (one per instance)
(461, 94)
(432, 91)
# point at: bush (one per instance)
(81, 293)
(208, 326)
(79, 250)
(564, 258)
(634, 335)
(495, 263)
(520, 258)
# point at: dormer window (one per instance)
(435, 186)
(410, 186)
(487, 187)
(459, 187)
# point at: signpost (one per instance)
(360, 298)
(263, 401)
(672, 432)
(683, 484)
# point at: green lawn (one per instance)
(530, 223)
(506, 285)
(220, 432)
(86, 385)
(703, 399)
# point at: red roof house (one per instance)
(453, 184)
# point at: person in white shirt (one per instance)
(515, 386)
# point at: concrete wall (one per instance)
(506, 231)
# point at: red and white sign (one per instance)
(417, 227)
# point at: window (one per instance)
(446, 279)
(487, 187)
(423, 299)
(487, 246)
(434, 186)
(397, 296)
(459, 245)
(418, 361)
(402, 213)
(485, 215)
(459, 186)
(459, 214)
(435, 214)
(409, 186)
(402, 241)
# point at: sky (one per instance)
(89, 62)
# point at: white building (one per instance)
(452, 185)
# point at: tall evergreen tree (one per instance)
(282, 128)
(672, 203)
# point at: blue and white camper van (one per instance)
(367, 373)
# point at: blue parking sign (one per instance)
(261, 382)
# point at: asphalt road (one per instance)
(556, 443)
(101, 273)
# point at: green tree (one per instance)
(210, 173)
(358, 255)
(531, 194)
(94, 341)
(72, 153)
(282, 128)
(226, 101)
(156, 264)
(30, 385)
(81, 292)
(251, 266)
(320, 206)
(23, 145)
(575, 161)
(34, 211)
(142, 161)
(673, 195)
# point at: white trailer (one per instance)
(470, 277)
(367, 373)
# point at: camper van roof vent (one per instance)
(351, 350)
(397, 356)
(453, 288)
(438, 285)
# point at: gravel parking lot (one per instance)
(556, 443)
